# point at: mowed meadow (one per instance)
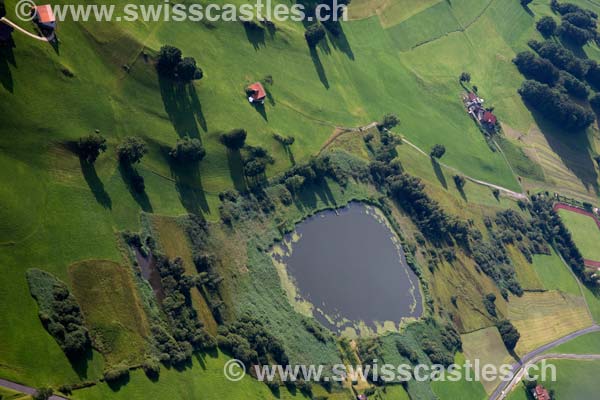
(56, 212)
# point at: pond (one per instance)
(347, 268)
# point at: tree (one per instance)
(294, 183)
(595, 102)
(131, 150)
(168, 58)
(89, 147)
(284, 140)
(547, 26)
(510, 334)
(465, 77)
(460, 181)
(188, 150)
(43, 393)
(187, 70)
(314, 34)
(438, 151)
(234, 140)
(536, 68)
(389, 121)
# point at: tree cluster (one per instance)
(249, 341)
(184, 324)
(510, 335)
(188, 150)
(537, 68)
(578, 25)
(171, 63)
(556, 106)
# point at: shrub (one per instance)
(188, 150)
(43, 393)
(465, 77)
(131, 150)
(151, 367)
(438, 151)
(389, 121)
(234, 139)
(116, 373)
(90, 147)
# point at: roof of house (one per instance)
(489, 118)
(541, 393)
(45, 14)
(472, 96)
(259, 91)
(362, 397)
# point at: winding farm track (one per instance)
(536, 355)
(31, 35)
(24, 389)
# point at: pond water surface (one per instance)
(349, 267)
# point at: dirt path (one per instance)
(508, 192)
(24, 389)
(536, 355)
(31, 35)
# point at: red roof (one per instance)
(489, 118)
(258, 91)
(472, 96)
(540, 393)
(45, 14)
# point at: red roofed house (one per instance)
(540, 393)
(489, 118)
(44, 16)
(256, 93)
(361, 397)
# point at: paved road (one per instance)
(24, 389)
(532, 357)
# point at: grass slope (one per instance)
(585, 231)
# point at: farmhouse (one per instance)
(44, 17)
(474, 105)
(540, 393)
(256, 93)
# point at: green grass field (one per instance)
(585, 232)
(554, 274)
(586, 344)
(462, 389)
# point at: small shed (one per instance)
(256, 93)
(44, 16)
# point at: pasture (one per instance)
(461, 389)
(542, 317)
(585, 232)
(486, 345)
(112, 309)
(554, 274)
(586, 344)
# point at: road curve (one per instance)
(518, 368)
(24, 389)
(31, 35)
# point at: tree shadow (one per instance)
(573, 148)
(7, 58)
(461, 190)
(188, 183)
(438, 172)
(289, 153)
(574, 47)
(236, 170)
(80, 364)
(94, 183)
(197, 107)
(117, 384)
(338, 38)
(182, 106)
(314, 55)
(270, 97)
(527, 9)
(130, 176)
(255, 34)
